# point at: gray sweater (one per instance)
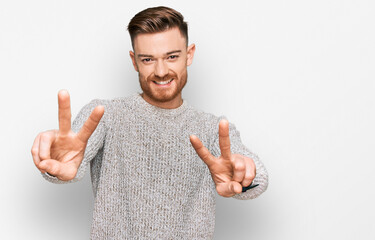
(147, 179)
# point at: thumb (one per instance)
(60, 170)
(229, 189)
(50, 166)
(235, 187)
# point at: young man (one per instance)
(145, 151)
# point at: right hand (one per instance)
(60, 152)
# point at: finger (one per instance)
(250, 172)
(239, 169)
(64, 112)
(35, 151)
(62, 171)
(50, 166)
(229, 189)
(91, 123)
(201, 150)
(45, 142)
(224, 141)
(235, 187)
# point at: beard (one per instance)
(162, 95)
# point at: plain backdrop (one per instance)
(296, 77)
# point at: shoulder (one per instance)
(124, 101)
(113, 105)
(198, 115)
(204, 118)
(210, 122)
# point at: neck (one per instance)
(174, 103)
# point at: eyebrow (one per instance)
(168, 53)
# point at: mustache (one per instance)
(153, 77)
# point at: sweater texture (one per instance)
(147, 179)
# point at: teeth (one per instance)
(163, 82)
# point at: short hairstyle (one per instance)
(157, 19)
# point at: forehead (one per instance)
(159, 43)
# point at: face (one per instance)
(161, 60)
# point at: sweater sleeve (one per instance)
(94, 144)
(237, 147)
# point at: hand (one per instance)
(230, 172)
(60, 152)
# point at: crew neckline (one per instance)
(143, 104)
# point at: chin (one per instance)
(159, 95)
(163, 97)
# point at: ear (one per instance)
(132, 56)
(190, 54)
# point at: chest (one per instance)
(154, 153)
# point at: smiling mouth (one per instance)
(164, 82)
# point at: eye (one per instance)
(146, 60)
(172, 57)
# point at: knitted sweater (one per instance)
(147, 179)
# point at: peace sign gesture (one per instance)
(60, 152)
(230, 172)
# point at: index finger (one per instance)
(224, 141)
(201, 150)
(64, 112)
(91, 123)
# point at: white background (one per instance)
(296, 77)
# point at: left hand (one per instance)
(230, 172)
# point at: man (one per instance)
(145, 151)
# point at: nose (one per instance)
(161, 69)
